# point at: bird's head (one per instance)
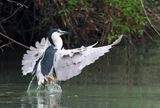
(55, 33)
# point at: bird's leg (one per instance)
(52, 79)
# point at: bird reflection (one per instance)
(41, 99)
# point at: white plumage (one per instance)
(69, 63)
(33, 55)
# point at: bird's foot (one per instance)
(52, 79)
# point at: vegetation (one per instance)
(88, 20)
(106, 18)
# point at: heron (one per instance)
(48, 60)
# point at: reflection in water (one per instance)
(86, 96)
(48, 96)
(41, 99)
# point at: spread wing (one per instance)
(33, 55)
(69, 63)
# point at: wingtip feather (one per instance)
(117, 41)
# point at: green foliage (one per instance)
(112, 37)
(126, 16)
(71, 5)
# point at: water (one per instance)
(121, 79)
(92, 96)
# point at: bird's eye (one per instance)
(58, 31)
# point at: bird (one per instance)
(48, 60)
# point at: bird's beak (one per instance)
(64, 32)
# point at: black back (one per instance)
(47, 60)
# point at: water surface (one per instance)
(88, 96)
(127, 77)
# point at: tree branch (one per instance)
(149, 19)
(21, 5)
(14, 41)
(5, 45)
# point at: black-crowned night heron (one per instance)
(48, 56)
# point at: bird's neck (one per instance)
(57, 41)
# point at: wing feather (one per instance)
(32, 56)
(69, 63)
